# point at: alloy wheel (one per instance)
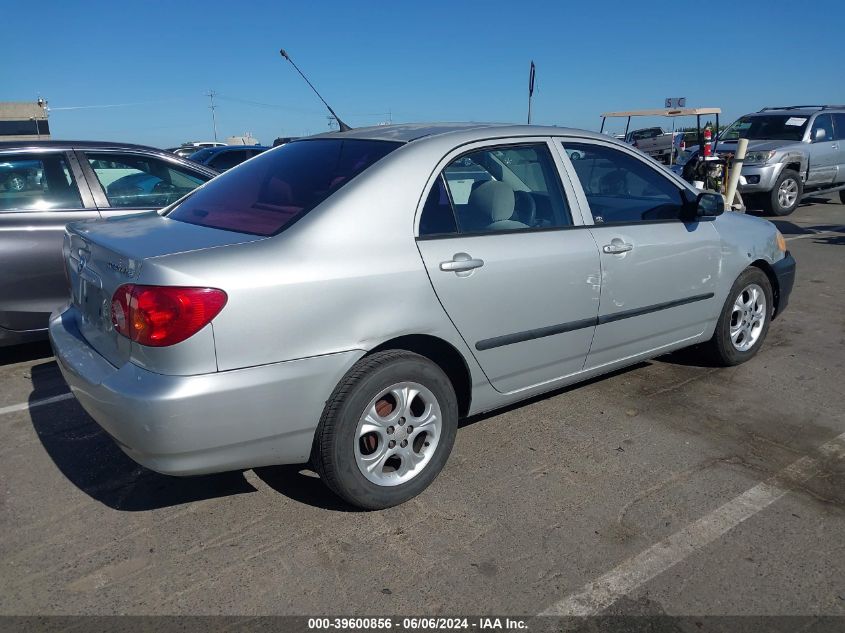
(748, 317)
(787, 193)
(398, 434)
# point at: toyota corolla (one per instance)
(344, 300)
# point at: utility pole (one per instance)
(211, 94)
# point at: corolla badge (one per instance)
(128, 269)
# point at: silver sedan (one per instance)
(344, 300)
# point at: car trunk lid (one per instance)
(101, 256)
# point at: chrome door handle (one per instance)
(461, 262)
(616, 247)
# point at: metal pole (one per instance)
(627, 125)
(603, 119)
(672, 146)
(700, 137)
(211, 95)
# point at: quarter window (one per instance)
(37, 182)
(623, 189)
(437, 216)
(498, 189)
(135, 180)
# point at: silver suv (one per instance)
(792, 150)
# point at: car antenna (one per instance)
(343, 127)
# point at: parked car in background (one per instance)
(223, 158)
(20, 175)
(346, 298)
(50, 183)
(792, 151)
(186, 149)
(654, 141)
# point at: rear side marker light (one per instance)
(158, 316)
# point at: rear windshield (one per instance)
(767, 127)
(265, 195)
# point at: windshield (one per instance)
(767, 127)
(266, 194)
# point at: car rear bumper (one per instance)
(187, 425)
(785, 273)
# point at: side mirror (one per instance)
(709, 205)
(820, 134)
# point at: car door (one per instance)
(839, 135)
(824, 152)
(511, 262)
(40, 192)
(125, 182)
(658, 271)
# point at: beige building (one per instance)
(24, 121)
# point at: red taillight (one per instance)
(158, 316)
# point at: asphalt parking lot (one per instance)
(668, 488)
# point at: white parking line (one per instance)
(23, 406)
(596, 596)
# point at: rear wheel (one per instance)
(387, 430)
(744, 321)
(784, 197)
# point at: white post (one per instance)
(736, 170)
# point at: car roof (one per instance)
(7, 146)
(408, 132)
(209, 151)
(805, 112)
(76, 144)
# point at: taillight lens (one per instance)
(158, 316)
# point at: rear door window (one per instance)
(269, 193)
(140, 181)
(506, 188)
(39, 182)
(839, 128)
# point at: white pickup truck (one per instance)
(654, 141)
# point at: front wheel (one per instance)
(784, 197)
(744, 321)
(387, 430)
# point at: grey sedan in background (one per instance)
(46, 184)
(343, 300)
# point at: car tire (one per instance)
(16, 182)
(784, 197)
(744, 321)
(366, 448)
(842, 196)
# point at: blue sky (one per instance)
(423, 60)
